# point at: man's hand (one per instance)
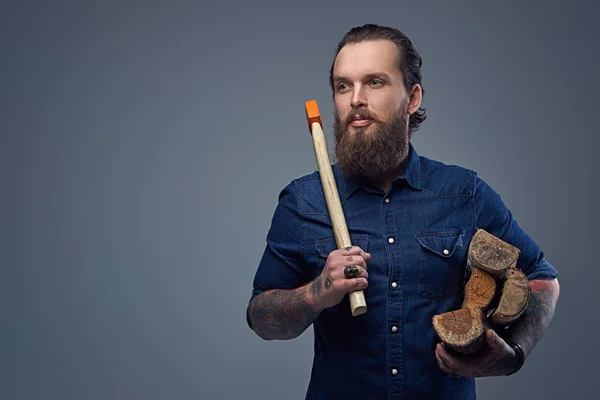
(329, 288)
(285, 314)
(495, 359)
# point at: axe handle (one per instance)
(358, 304)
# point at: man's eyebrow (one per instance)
(340, 78)
(380, 75)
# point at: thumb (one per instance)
(493, 340)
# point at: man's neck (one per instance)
(387, 177)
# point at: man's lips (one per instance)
(361, 122)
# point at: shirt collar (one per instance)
(411, 174)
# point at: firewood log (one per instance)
(514, 299)
(491, 254)
(462, 330)
(496, 295)
(479, 290)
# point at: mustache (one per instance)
(359, 114)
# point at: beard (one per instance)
(370, 153)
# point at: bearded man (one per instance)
(410, 220)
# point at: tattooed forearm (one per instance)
(316, 287)
(282, 314)
(530, 328)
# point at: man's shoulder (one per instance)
(309, 179)
(307, 192)
(306, 181)
(446, 180)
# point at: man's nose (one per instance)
(358, 97)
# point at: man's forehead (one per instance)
(366, 58)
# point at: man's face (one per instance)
(368, 83)
(371, 110)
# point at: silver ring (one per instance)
(351, 271)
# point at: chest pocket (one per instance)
(325, 246)
(442, 264)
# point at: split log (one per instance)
(480, 290)
(491, 254)
(462, 330)
(515, 297)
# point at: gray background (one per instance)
(143, 146)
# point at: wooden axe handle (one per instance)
(358, 304)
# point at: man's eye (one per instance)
(376, 82)
(342, 86)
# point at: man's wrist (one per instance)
(312, 296)
(520, 355)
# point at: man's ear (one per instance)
(416, 95)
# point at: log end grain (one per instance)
(462, 330)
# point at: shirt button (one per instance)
(394, 329)
(387, 200)
(446, 252)
(394, 284)
(394, 371)
(391, 240)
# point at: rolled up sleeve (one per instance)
(492, 215)
(282, 265)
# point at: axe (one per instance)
(358, 305)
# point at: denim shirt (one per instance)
(418, 234)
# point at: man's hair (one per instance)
(409, 60)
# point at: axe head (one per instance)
(312, 114)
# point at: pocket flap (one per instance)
(441, 243)
(327, 245)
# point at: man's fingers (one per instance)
(354, 284)
(355, 250)
(447, 363)
(443, 362)
(355, 271)
(449, 360)
(363, 273)
(439, 361)
(354, 260)
(350, 250)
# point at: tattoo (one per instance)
(317, 286)
(496, 367)
(348, 248)
(327, 283)
(532, 325)
(281, 314)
